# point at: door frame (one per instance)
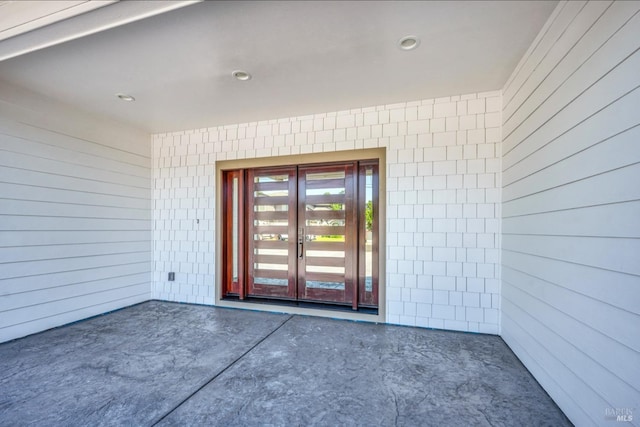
(306, 159)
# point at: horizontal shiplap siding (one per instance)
(571, 210)
(75, 215)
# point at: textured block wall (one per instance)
(443, 201)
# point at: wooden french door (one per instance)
(271, 232)
(305, 233)
(327, 233)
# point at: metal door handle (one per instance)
(300, 243)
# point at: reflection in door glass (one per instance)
(368, 219)
(271, 228)
(325, 222)
(235, 229)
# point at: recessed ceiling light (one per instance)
(241, 75)
(408, 43)
(125, 97)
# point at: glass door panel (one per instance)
(325, 233)
(368, 234)
(234, 249)
(272, 221)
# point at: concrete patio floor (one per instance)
(174, 364)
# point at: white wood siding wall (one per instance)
(571, 209)
(75, 229)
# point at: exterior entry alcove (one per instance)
(510, 203)
(304, 159)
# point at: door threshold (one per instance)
(305, 305)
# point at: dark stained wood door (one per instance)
(303, 233)
(272, 232)
(327, 234)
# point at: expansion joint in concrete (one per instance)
(213, 378)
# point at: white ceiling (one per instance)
(305, 57)
(18, 17)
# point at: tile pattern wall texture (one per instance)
(571, 210)
(443, 201)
